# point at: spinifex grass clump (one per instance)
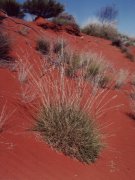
(65, 110)
(62, 121)
(43, 46)
(71, 131)
(59, 45)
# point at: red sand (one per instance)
(23, 154)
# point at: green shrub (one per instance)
(60, 21)
(12, 7)
(64, 19)
(43, 46)
(70, 131)
(70, 23)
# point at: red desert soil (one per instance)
(23, 154)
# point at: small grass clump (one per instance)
(117, 43)
(93, 70)
(73, 62)
(59, 45)
(66, 110)
(24, 31)
(104, 81)
(121, 78)
(43, 46)
(130, 56)
(70, 131)
(5, 47)
(133, 80)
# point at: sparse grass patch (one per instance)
(133, 79)
(64, 19)
(43, 46)
(132, 103)
(130, 56)
(121, 78)
(23, 70)
(124, 49)
(93, 70)
(74, 63)
(91, 66)
(61, 21)
(59, 46)
(4, 116)
(104, 81)
(24, 31)
(96, 68)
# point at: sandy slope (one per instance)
(23, 154)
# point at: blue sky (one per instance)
(84, 10)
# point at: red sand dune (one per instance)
(23, 154)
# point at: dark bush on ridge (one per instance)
(43, 8)
(117, 43)
(11, 7)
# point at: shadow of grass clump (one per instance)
(5, 48)
(70, 131)
(131, 115)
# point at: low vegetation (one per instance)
(64, 19)
(106, 31)
(104, 81)
(130, 56)
(24, 31)
(71, 131)
(133, 79)
(65, 123)
(124, 48)
(43, 46)
(5, 48)
(132, 103)
(59, 45)
(4, 116)
(121, 78)
(65, 118)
